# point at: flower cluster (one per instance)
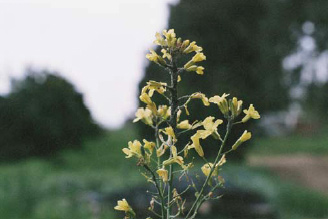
(172, 47)
(165, 121)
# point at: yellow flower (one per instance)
(133, 150)
(211, 127)
(145, 115)
(201, 96)
(170, 37)
(190, 48)
(184, 45)
(159, 40)
(161, 150)
(149, 145)
(184, 125)
(196, 144)
(154, 57)
(179, 78)
(175, 158)
(163, 174)
(251, 113)
(123, 206)
(244, 137)
(236, 107)
(222, 103)
(198, 69)
(170, 132)
(144, 97)
(198, 57)
(164, 111)
(206, 169)
(166, 54)
(160, 87)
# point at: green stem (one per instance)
(196, 205)
(158, 189)
(173, 123)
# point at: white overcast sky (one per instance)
(98, 45)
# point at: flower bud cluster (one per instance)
(172, 47)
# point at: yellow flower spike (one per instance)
(149, 145)
(166, 54)
(133, 150)
(201, 96)
(222, 103)
(175, 158)
(244, 137)
(184, 125)
(190, 48)
(170, 132)
(163, 174)
(195, 144)
(159, 40)
(206, 169)
(251, 113)
(145, 115)
(123, 206)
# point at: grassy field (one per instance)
(67, 186)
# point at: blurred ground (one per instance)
(304, 169)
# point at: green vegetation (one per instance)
(291, 201)
(61, 188)
(315, 144)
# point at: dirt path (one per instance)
(307, 170)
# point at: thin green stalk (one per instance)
(197, 202)
(158, 189)
(160, 182)
(173, 123)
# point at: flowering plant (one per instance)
(162, 160)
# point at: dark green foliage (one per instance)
(42, 114)
(316, 102)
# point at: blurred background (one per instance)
(71, 72)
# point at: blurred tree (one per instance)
(43, 114)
